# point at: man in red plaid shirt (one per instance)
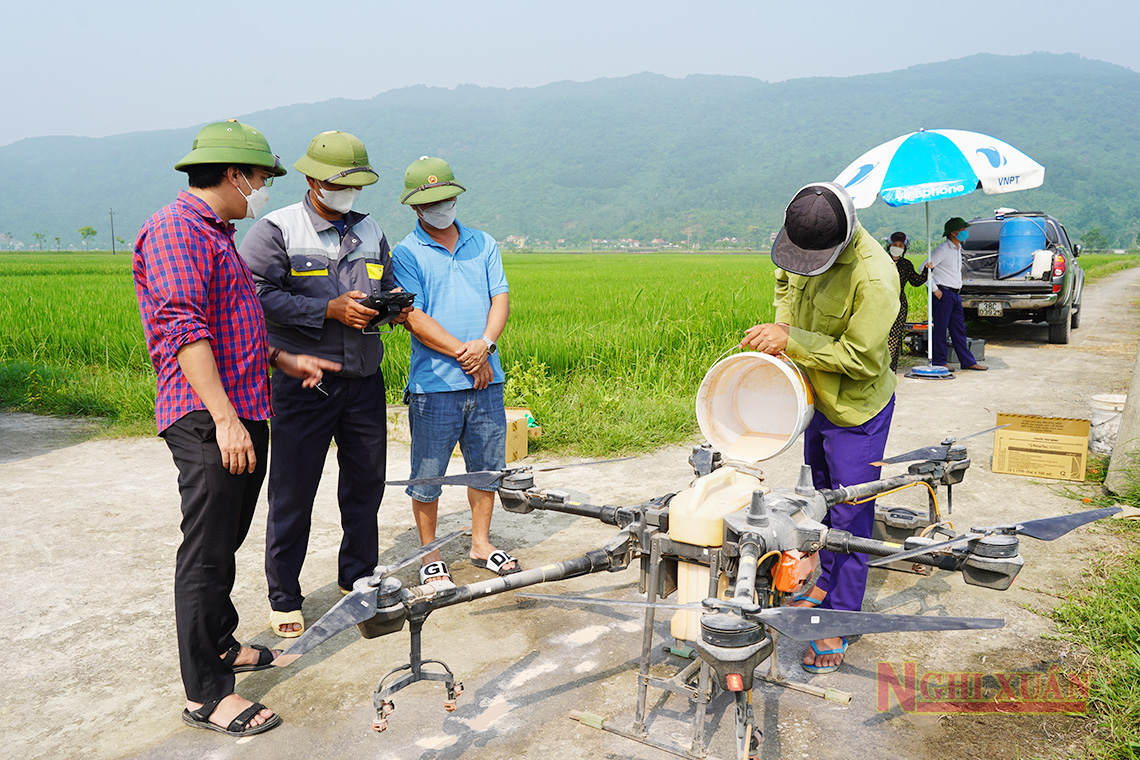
(206, 335)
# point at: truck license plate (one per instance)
(989, 308)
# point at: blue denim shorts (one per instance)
(476, 420)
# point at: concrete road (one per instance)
(90, 529)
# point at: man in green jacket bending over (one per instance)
(836, 299)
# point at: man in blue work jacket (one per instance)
(312, 262)
(455, 382)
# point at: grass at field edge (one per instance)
(1102, 615)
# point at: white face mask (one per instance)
(897, 251)
(440, 215)
(255, 201)
(339, 201)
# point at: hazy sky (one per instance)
(94, 69)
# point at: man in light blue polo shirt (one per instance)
(455, 383)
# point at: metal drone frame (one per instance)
(738, 632)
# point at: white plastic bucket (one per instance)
(752, 406)
(1104, 424)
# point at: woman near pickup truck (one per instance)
(898, 248)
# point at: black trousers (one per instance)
(895, 339)
(217, 510)
(305, 421)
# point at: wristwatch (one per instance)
(492, 346)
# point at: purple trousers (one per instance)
(948, 315)
(842, 456)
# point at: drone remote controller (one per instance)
(388, 304)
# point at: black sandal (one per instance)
(239, 726)
(496, 561)
(265, 658)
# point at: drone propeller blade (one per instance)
(805, 624)
(1048, 528)
(480, 479)
(933, 452)
(488, 478)
(924, 549)
(608, 602)
(422, 551)
(926, 452)
(581, 464)
(354, 608)
(1043, 529)
(357, 606)
(981, 432)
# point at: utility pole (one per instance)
(112, 232)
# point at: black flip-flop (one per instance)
(265, 658)
(239, 726)
(495, 563)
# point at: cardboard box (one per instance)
(1041, 447)
(517, 434)
(517, 437)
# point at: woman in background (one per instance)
(898, 247)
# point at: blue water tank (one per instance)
(1020, 237)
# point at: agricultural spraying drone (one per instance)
(764, 548)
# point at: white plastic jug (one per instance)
(696, 518)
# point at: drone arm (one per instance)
(594, 561)
(842, 542)
(606, 514)
(876, 487)
(524, 501)
(747, 567)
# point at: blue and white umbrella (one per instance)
(932, 164)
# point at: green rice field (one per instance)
(607, 350)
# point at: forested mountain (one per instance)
(645, 156)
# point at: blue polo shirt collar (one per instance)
(421, 235)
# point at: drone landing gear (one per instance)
(704, 690)
(776, 678)
(748, 736)
(416, 672)
(597, 721)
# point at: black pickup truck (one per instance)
(1048, 289)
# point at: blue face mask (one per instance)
(962, 235)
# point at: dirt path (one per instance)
(86, 563)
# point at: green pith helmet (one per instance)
(954, 224)
(339, 158)
(231, 142)
(429, 180)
